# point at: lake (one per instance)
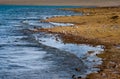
(28, 55)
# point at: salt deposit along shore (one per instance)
(97, 26)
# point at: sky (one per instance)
(63, 2)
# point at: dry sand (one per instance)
(64, 2)
(99, 24)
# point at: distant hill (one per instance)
(63, 2)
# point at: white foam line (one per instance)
(61, 24)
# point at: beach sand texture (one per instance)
(101, 26)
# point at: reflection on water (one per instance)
(27, 55)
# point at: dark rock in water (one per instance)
(74, 77)
(16, 41)
(77, 69)
(90, 52)
(35, 27)
(79, 77)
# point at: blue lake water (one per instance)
(27, 55)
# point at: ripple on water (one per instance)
(81, 51)
(24, 55)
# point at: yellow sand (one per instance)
(101, 23)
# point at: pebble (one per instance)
(77, 69)
(79, 77)
(74, 77)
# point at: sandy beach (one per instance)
(63, 2)
(97, 26)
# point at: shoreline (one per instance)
(69, 38)
(104, 27)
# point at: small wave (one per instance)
(15, 66)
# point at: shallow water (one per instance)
(27, 55)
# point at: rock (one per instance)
(79, 77)
(90, 52)
(103, 75)
(114, 17)
(35, 27)
(74, 77)
(15, 41)
(77, 69)
(93, 60)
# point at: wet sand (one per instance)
(97, 26)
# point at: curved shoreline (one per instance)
(104, 27)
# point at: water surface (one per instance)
(27, 55)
